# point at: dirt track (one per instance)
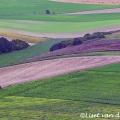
(91, 1)
(43, 69)
(116, 10)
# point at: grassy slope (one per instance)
(41, 48)
(10, 58)
(28, 39)
(64, 97)
(54, 27)
(24, 10)
(39, 6)
(65, 18)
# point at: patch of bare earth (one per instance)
(115, 10)
(91, 1)
(44, 69)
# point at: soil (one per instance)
(116, 10)
(91, 1)
(43, 69)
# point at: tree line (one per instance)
(78, 41)
(9, 46)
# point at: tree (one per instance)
(47, 12)
(56, 46)
(18, 44)
(98, 35)
(76, 41)
(87, 36)
(5, 46)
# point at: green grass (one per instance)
(65, 18)
(54, 27)
(64, 97)
(24, 108)
(41, 48)
(39, 6)
(13, 57)
(92, 86)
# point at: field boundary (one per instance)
(43, 69)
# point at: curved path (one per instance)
(115, 10)
(44, 69)
(91, 1)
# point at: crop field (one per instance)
(34, 28)
(14, 57)
(30, 39)
(64, 97)
(33, 53)
(36, 85)
(39, 6)
(103, 45)
(67, 17)
(43, 69)
(58, 23)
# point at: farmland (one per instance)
(41, 29)
(24, 6)
(104, 45)
(14, 57)
(61, 84)
(36, 22)
(64, 97)
(47, 68)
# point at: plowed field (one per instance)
(43, 69)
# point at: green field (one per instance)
(54, 27)
(13, 57)
(65, 18)
(58, 23)
(41, 48)
(39, 6)
(64, 97)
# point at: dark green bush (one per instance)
(47, 12)
(5, 46)
(76, 41)
(18, 44)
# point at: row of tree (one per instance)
(80, 40)
(9, 46)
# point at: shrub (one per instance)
(87, 36)
(56, 46)
(98, 35)
(5, 46)
(47, 12)
(76, 41)
(19, 44)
